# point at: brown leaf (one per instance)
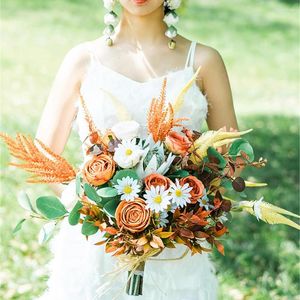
(201, 234)
(142, 241)
(158, 241)
(186, 233)
(100, 243)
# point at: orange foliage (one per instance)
(45, 165)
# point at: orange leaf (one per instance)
(219, 247)
(111, 230)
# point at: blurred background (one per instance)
(259, 42)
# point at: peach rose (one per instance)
(197, 185)
(98, 170)
(133, 215)
(157, 180)
(177, 143)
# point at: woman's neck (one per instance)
(142, 30)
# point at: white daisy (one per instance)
(204, 202)
(162, 219)
(127, 154)
(128, 188)
(157, 198)
(180, 194)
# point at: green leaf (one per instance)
(91, 193)
(50, 207)
(124, 173)
(110, 207)
(25, 202)
(179, 174)
(19, 226)
(107, 193)
(74, 215)
(78, 184)
(227, 184)
(46, 232)
(88, 228)
(216, 157)
(241, 145)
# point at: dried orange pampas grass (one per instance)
(45, 165)
(161, 116)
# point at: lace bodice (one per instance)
(112, 97)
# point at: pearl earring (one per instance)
(171, 19)
(110, 20)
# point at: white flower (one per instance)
(127, 154)
(173, 4)
(256, 208)
(110, 18)
(109, 4)
(154, 161)
(171, 18)
(180, 194)
(126, 130)
(157, 198)
(162, 219)
(128, 188)
(204, 202)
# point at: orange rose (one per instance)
(197, 185)
(177, 143)
(156, 180)
(98, 170)
(133, 215)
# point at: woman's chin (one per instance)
(141, 7)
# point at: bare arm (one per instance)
(214, 82)
(56, 120)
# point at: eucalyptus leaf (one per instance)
(108, 193)
(216, 157)
(179, 174)
(241, 145)
(46, 232)
(110, 207)
(50, 207)
(74, 215)
(91, 193)
(88, 228)
(124, 173)
(24, 201)
(19, 226)
(78, 184)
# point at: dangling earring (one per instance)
(171, 18)
(110, 20)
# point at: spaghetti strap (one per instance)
(93, 56)
(191, 55)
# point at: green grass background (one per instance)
(259, 41)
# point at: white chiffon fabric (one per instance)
(78, 267)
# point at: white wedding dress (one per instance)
(78, 267)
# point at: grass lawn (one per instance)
(259, 41)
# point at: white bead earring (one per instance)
(110, 20)
(171, 19)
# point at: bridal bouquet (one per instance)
(148, 193)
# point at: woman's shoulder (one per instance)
(78, 56)
(207, 57)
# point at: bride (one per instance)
(130, 62)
